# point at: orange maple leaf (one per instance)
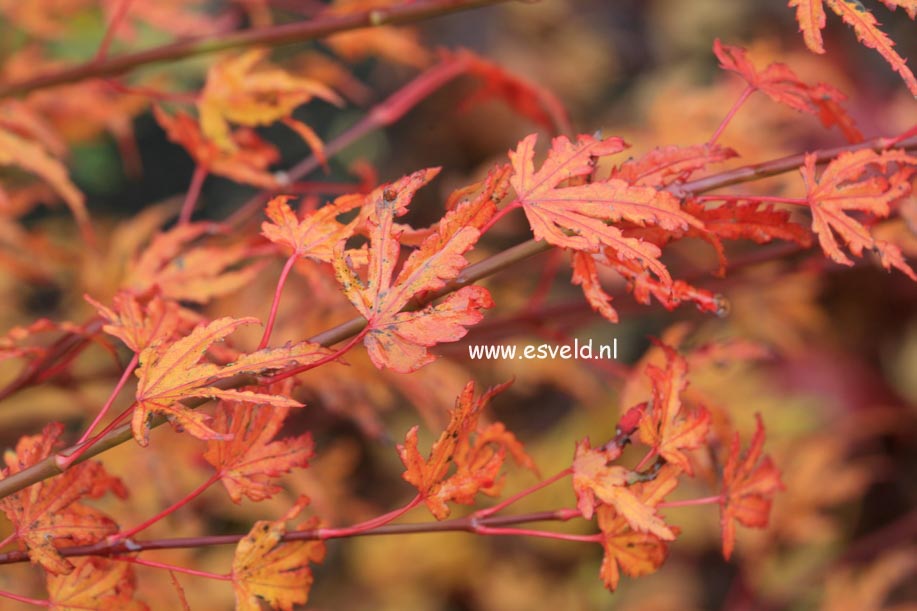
(95, 583)
(811, 17)
(778, 82)
(267, 569)
(197, 274)
(849, 183)
(663, 427)
(627, 550)
(749, 485)
(171, 372)
(247, 163)
(395, 339)
(241, 92)
(251, 458)
(579, 216)
(49, 515)
(476, 453)
(136, 323)
(314, 236)
(595, 482)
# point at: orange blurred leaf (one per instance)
(316, 235)
(749, 485)
(95, 583)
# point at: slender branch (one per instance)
(707, 500)
(469, 524)
(49, 467)
(117, 18)
(111, 398)
(24, 599)
(483, 513)
(194, 193)
(729, 115)
(126, 534)
(172, 567)
(273, 36)
(269, 327)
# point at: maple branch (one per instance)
(117, 18)
(273, 36)
(49, 467)
(193, 194)
(469, 524)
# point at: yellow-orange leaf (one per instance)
(251, 459)
(169, 373)
(596, 482)
(135, 323)
(663, 427)
(97, 584)
(626, 550)
(266, 569)
(396, 339)
(49, 515)
(316, 235)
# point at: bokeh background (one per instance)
(838, 391)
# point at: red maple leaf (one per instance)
(476, 454)
(749, 485)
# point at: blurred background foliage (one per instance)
(838, 391)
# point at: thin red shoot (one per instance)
(331, 357)
(489, 511)
(530, 532)
(729, 116)
(23, 599)
(117, 18)
(269, 327)
(194, 193)
(707, 500)
(172, 509)
(349, 531)
(172, 567)
(499, 215)
(111, 398)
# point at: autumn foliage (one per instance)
(483, 214)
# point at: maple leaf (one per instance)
(251, 458)
(94, 583)
(663, 427)
(171, 372)
(849, 183)
(751, 220)
(811, 17)
(578, 216)
(196, 274)
(778, 82)
(135, 323)
(237, 92)
(395, 339)
(32, 156)
(476, 453)
(527, 99)
(749, 484)
(316, 235)
(595, 482)
(267, 569)
(49, 515)
(668, 165)
(247, 163)
(626, 550)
